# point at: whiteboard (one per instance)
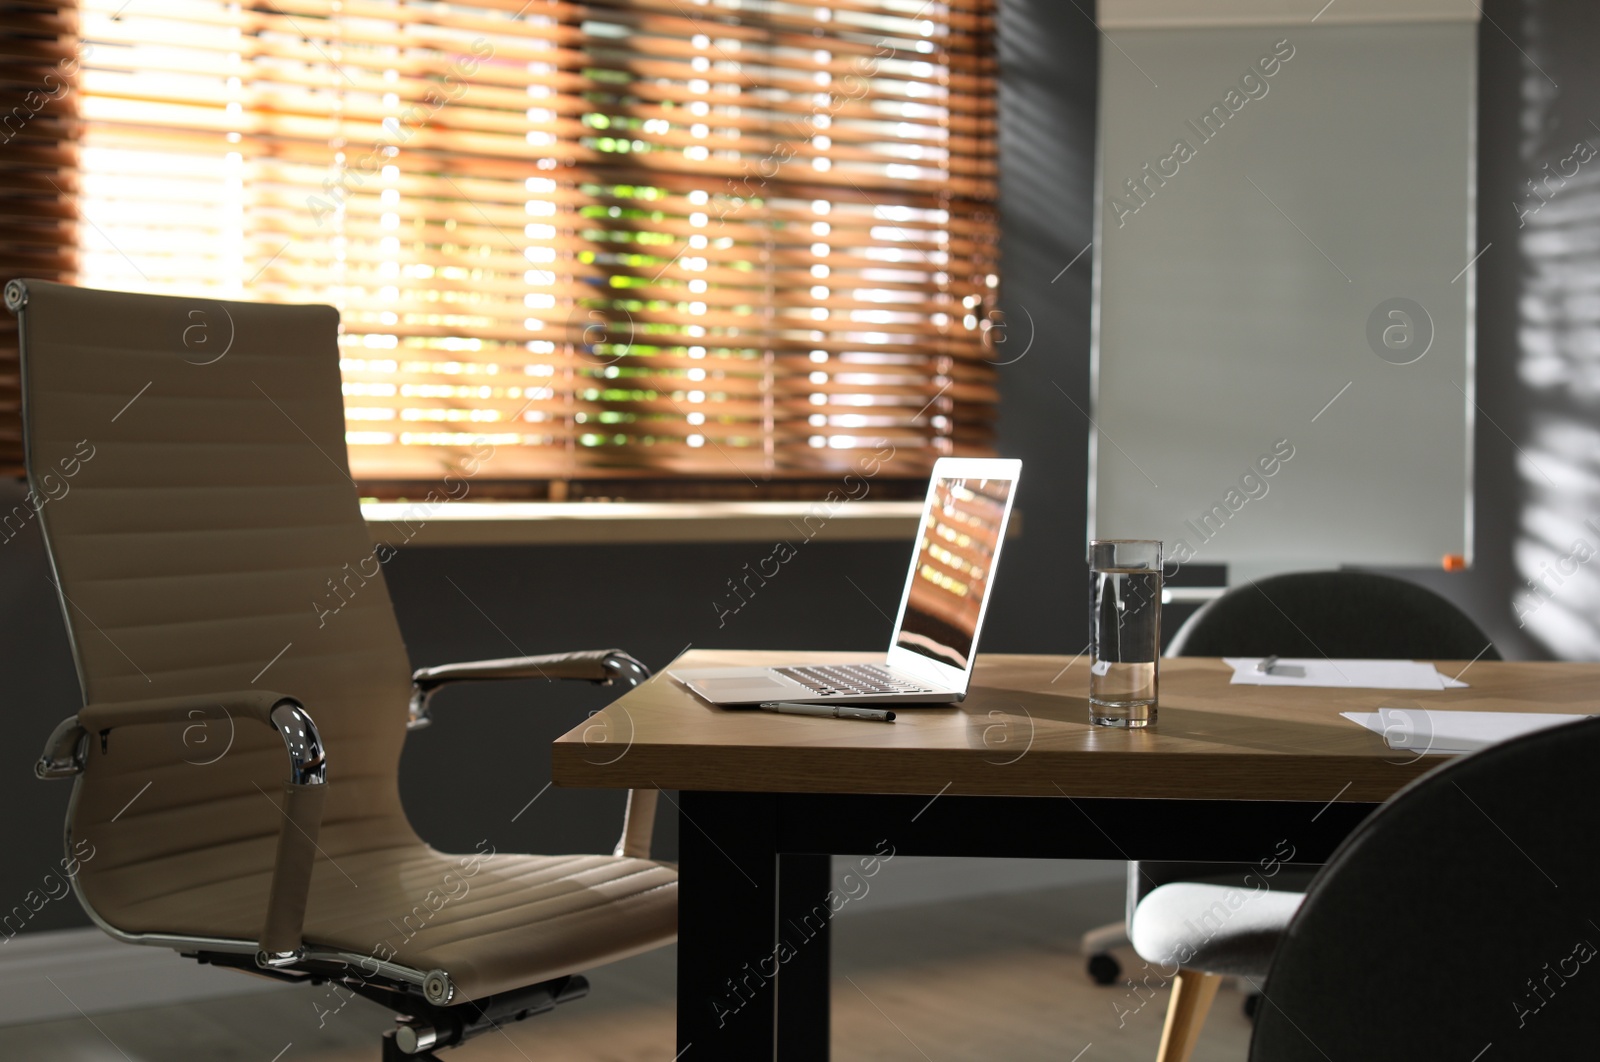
(1282, 343)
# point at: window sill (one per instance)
(608, 523)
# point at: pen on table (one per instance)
(831, 711)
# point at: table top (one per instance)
(1023, 731)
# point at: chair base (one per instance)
(1102, 966)
(424, 1027)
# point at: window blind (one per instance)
(39, 56)
(734, 240)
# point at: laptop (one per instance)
(953, 564)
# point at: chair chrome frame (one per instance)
(430, 1015)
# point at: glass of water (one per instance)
(1124, 631)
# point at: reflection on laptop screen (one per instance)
(954, 560)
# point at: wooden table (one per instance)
(1229, 773)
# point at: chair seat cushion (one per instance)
(492, 922)
(1224, 929)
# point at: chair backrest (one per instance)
(189, 466)
(1462, 914)
(1360, 615)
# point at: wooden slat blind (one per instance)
(731, 238)
(39, 59)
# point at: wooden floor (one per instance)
(974, 981)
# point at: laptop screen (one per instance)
(954, 563)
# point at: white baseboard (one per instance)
(64, 973)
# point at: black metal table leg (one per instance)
(753, 945)
(804, 927)
(727, 902)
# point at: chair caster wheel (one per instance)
(1252, 1005)
(392, 1052)
(1103, 968)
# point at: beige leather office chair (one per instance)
(236, 759)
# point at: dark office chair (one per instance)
(246, 691)
(1359, 615)
(1306, 614)
(1461, 914)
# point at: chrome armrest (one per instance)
(603, 667)
(308, 760)
(65, 752)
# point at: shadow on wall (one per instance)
(1557, 547)
(1536, 451)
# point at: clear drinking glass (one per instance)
(1124, 631)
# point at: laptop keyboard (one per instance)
(849, 680)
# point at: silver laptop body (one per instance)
(935, 641)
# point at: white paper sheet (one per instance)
(1363, 674)
(1444, 732)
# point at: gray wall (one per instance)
(488, 755)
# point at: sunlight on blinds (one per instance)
(38, 178)
(735, 238)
